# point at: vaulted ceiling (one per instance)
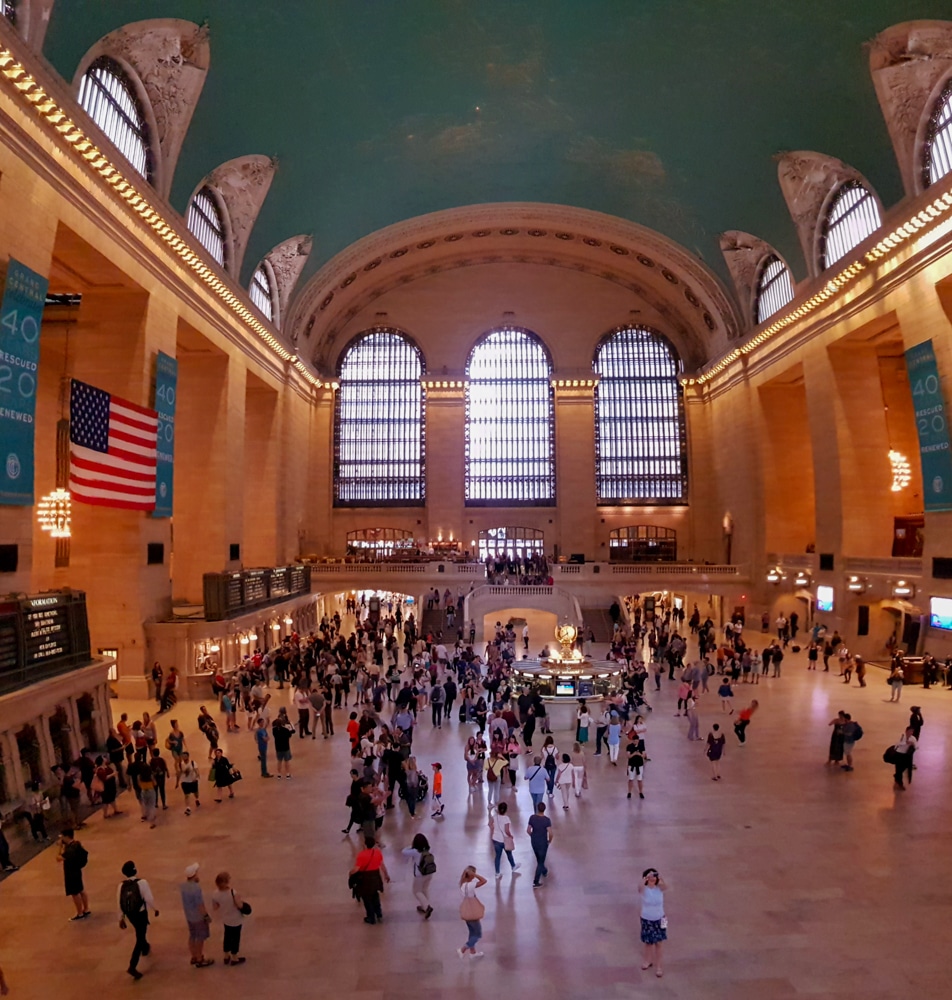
(666, 113)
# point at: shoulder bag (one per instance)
(471, 909)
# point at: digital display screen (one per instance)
(940, 612)
(824, 598)
(565, 686)
(586, 689)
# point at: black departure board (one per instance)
(230, 594)
(42, 635)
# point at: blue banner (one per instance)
(166, 376)
(20, 315)
(932, 426)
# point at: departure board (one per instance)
(231, 594)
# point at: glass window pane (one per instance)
(774, 288)
(108, 97)
(938, 149)
(206, 225)
(640, 444)
(510, 440)
(379, 451)
(260, 290)
(852, 217)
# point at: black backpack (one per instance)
(550, 764)
(427, 865)
(130, 898)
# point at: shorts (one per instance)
(283, 755)
(190, 788)
(848, 746)
(636, 773)
(198, 931)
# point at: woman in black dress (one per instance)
(221, 775)
(836, 738)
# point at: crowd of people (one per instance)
(389, 681)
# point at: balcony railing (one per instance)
(889, 567)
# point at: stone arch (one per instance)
(167, 60)
(910, 64)
(809, 181)
(286, 261)
(744, 255)
(241, 185)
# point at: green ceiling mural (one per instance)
(664, 112)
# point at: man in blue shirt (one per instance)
(262, 739)
(536, 777)
(540, 836)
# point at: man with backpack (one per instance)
(73, 857)
(135, 901)
(852, 731)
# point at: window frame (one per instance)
(639, 540)
(209, 193)
(267, 274)
(828, 227)
(936, 127)
(128, 130)
(601, 477)
(339, 400)
(762, 287)
(513, 477)
(519, 541)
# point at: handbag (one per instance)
(235, 774)
(890, 755)
(46, 805)
(244, 909)
(471, 909)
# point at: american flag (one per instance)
(112, 446)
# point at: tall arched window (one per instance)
(938, 148)
(109, 98)
(774, 288)
(853, 215)
(640, 441)
(378, 431)
(206, 224)
(510, 439)
(261, 292)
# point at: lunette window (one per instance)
(640, 441)
(261, 294)
(853, 216)
(938, 149)
(774, 288)
(107, 95)
(510, 543)
(378, 427)
(205, 223)
(510, 439)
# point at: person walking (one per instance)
(579, 774)
(142, 773)
(563, 779)
(368, 875)
(189, 785)
(583, 719)
(424, 868)
(614, 738)
(281, 732)
(835, 755)
(437, 790)
(537, 776)
(196, 916)
(262, 739)
(5, 863)
(654, 924)
(39, 806)
(135, 900)
(233, 910)
(221, 775)
(852, 731)
(550, 761)
(73, 857)
(540, 836)
(497, 764)
(160, 775)
(726, 693)
(715, 750)
(690, 710)
(500, 830)
(471, 910)
(902, 756)
(636, 767)
(175, 744)
(743, 721)
(601, 728)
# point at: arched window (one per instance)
(853, 215)
(8, 9)
(381, 543)
(774, 288)
(510, 543)
(261, 293)
(378, 432)
(205, 222)
(938, 148)
(108, 97)
(643, 543)
(640, 441)
(510, 439)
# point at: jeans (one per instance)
(599, 736)
(739, 728)
(140, 924)
(475, 933)
(499, 847)
(160, 789)
(494, 791)
(536, 799)
(540, 853)
(263, 758)
(437, 712)
(147, 803)
(693, 723)
(304, 718)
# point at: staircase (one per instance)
(435, 620)
(600, 622)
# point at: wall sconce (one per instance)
(54, 513)
(244, 640)
(253, 636)
(288, 620)
(802, 579)
(214, 648)
(901, 588)
(276, 626)
(774, 575)
(856, 584)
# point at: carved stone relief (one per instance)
(32, 20)
(807, 179)
(170, 58)
(287, 261)
(744, 254)
(243, 184)
(908, 63)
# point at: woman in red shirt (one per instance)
(367, 878)
(743, 721)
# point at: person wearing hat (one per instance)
(196, 916)
(135, 900)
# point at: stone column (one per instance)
(446, 461)
(47, 752)
(75, 733)
(319, 507)
(14, 766)
(575, 468)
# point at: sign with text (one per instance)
(166, 377)
(21, 312)
(932, 426)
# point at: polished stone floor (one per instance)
(786, 879)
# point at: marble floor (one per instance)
(786, 879)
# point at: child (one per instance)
(437, 789)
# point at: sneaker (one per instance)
(237, 961)
(461, 952)
(536, 885)
(135, 973)
(516, 866)
(641, 795)
(498, 875)
(478, 954)
(79, 916)
(428, 913)
(188, 812)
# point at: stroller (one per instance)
(423, 788)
